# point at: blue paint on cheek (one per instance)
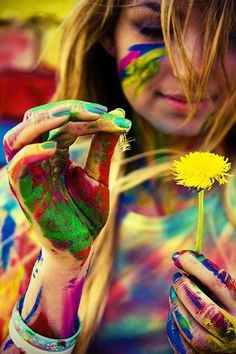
(174, 335)
(135, 53)
(144, 48)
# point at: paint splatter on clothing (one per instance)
(137, 310)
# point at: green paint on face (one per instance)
(141, 70)
(93, 126)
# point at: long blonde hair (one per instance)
(89, 73)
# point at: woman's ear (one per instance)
(109, 46)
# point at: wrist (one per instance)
(53, 295)
(64, 262)
(31, 342)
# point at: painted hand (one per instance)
(66, 205)
(202, 317)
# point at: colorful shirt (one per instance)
(135, 317)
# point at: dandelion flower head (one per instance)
(199, 170)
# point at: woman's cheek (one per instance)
(140, 65)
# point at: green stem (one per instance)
(200, 221)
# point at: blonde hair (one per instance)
(84, 61)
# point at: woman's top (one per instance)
(136, 313)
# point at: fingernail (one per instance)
(176, 277)
(95, 108)
(122, 123)
(48, 145)
(175, 256)
(119, 112)
(62, 113)
(173, 294)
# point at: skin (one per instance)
(74, 192)
(47, 184)
(203, 320)
(152, 103)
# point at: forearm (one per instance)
(53, 296)
(50, 305)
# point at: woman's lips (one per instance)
(179, 102)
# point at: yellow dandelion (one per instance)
(199, 170)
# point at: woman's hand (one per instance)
(202, 317)
(66, 205)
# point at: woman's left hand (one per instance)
(202, 317)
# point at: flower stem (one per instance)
(200, 221)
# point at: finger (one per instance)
(102, 149)
(26, 132)
(107, 123)
(198, 337)
(221, 284)
(77, 109)
(177, 342)
(30, 154)
(207, 313)
(41, 119)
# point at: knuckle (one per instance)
(28, 115)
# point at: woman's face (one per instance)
(149, 82)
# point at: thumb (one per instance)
(28, 155)
(102, 149)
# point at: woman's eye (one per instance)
(150, 31)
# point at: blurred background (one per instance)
(30, 33)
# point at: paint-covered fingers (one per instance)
(29, 155)
(103, 146)
(177, 341)
(40, 120)
(77, 110)
(112, 122)
(28, 132)
(206, 312)
(216, 279)
(196, 335)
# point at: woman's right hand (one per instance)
(66, 205)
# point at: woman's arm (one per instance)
(66, 205)
(50, 305)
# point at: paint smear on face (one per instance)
(140, 64)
